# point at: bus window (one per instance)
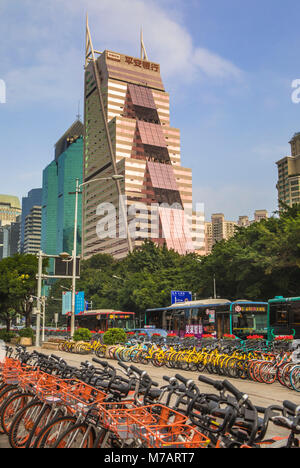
(282, 317)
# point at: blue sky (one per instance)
(228, 65)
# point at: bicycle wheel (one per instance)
(23, 424)
(5, 394)
(295, 378)
(106, 439)
(53, 431)
(283, 374)
(100, 352)
(142, 357)
(61, 346)
(46, 415)
(12, 406)
(78, 436)
(158, 359)
(268, 373)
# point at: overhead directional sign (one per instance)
(65, 268)
(180, 296)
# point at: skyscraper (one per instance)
(10, 209)
(288, 184)
(34, 198)
(9, 238)
(128, 132)
(32, 231)
(58, 202)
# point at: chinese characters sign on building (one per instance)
(194, 329)
(142, 64)
(135, 62)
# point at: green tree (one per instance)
(17, 286)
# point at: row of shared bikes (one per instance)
(256, 360)
(46, 403)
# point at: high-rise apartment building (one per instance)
(208, 238)
(32, 231)
(259, 215)
(58, 199)
(34, 198)
(219, 228)
(243, 221)
(10, 209)
(288, 184)
(4, 242)
(128, 132)
(9, 238)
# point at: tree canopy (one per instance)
(17, 285)
(257, 263)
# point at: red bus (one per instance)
(102, 320)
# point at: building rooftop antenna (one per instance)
(78, 116)
(144, 55)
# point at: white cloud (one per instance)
(49, 45)
(215, 66)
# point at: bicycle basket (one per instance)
(115, 417)
(11, 371)
(81, 397)
(157, 415)
(180, 436)
(28, 379)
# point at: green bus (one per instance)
(284, 316)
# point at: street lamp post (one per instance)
(44, 317)
(116, 178)
(215, 287)
(214, 283)
(72, 325)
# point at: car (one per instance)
(150, 331)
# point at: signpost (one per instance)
(180, 296)
(61, 262)
(80, 303)
(66, 302)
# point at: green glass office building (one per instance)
(58, 206)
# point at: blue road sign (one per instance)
(79, 303)
(67, 303)
(180, 296)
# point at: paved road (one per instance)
(4, 442)
(260, 394)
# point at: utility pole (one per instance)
(44, 317)
(74, 255)
(39, 299)
(215, 288)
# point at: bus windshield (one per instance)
(249, 323)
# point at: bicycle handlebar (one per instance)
(235, 391)
(295, 409)
(215, 383)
